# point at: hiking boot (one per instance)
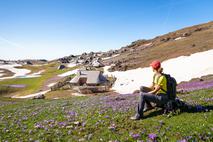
(148, 108)
(136, 117)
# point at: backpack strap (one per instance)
(163, 74)
(164, 90)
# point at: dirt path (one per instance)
(49, 81)
(45, 88)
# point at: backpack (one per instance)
(171, 86)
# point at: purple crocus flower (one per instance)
(24, 118)
(72, 113)
(62, 124)
(121, 102)
(38, 125)
(107, 116)
(183, 140)
(209, 99)
(83, 124)
(195, 85)
(135, 136)
(152, 136)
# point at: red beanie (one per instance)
(155, 64)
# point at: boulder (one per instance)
(193, 45)
(97, 64)
(186, 34)
(41, 96)
(198, 29)
(91, 53)
(61, 67)
(29, 63)
(64, 60)
(165, 39)
(84, 54)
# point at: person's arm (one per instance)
(159, 85)
(156, 89)
(152, 86)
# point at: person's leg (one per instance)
(145, 89)
(140, 106)
(146, 97)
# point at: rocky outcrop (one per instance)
(63, 84)
(67, 59)
(118, 66)
(90, 59)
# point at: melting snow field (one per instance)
(17, 72)
(37, 74)
(70, 65)
(182, 68)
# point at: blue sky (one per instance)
(55, 28)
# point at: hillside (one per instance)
(178, 43)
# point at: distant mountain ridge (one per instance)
(185, 41)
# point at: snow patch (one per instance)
(17, 72)
(78, 94)
(69, 73)
(179, 38)
(39, 65)
(183, 68)
(31, 95)
(33, 75)
(51, 84)
(71, 65)
(106, 58)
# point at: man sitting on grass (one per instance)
(156, 93)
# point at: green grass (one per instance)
(19, 117)
(33, 85)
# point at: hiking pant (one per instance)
(147, 98)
